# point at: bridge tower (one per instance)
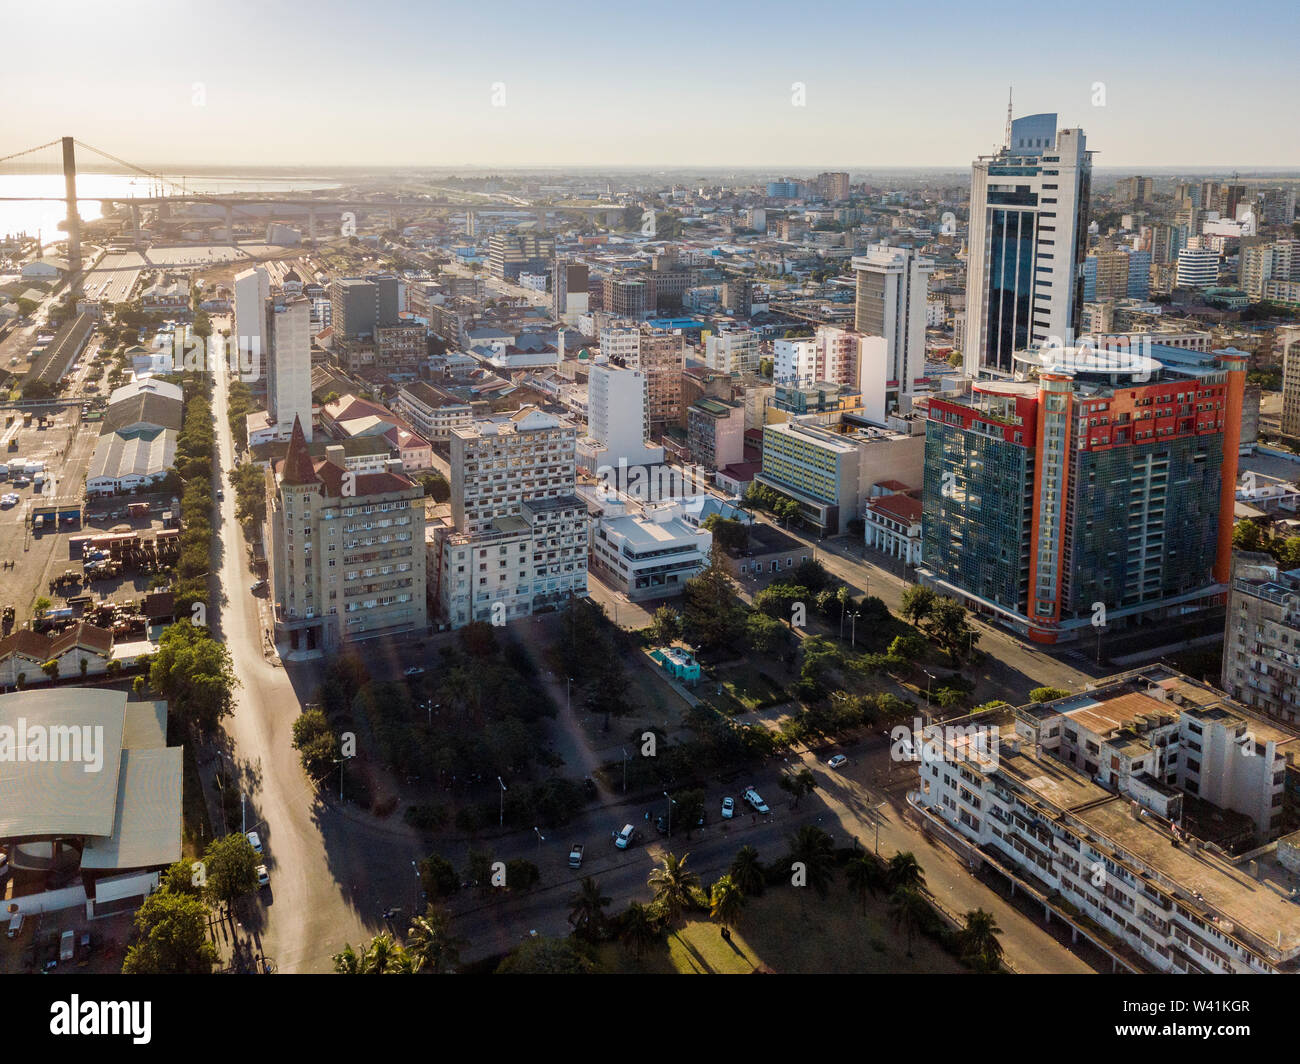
(74, 219)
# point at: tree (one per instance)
(673, 885)
(865, 874)
(382, 956)
(978, 941)
(230, 865)
(51, 668)
(430, 943)
(778, 601)
(765, 635)
(665, 625)
(798, 784)
(911, 911)
(948, 624)
(195, 674)
(917, 603)
(729, 533)
(171, 937)
(815, 850)
(547, 956)
(905, 872)
(711, 617)
(1047, 694)
(438, 877)
(314, 740)
(725, 903)
(41, 605)
(587, 911)
(638, 929)
(747, 872)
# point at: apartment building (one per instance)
(288, 381)
(252, 290)
(1261, 646)
(431, 410)
(1127, 862)
(347, 550)
(794, 361)
(1198, 267)
(510, 254)
(832, 186)
(1287, 342)
(617, 418)
(715, 433)
(661, 357)
(892, 291)
(1108, 480)
(517, 544)
(732, 350)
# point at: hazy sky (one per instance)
(705, 83)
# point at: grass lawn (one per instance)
(787, 933)
(745, 687)
(196, 830)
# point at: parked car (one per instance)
(625, 838)
(414, 670)
(728, 807)
(255, 841)
(755, 800)
(837, 761)
(575, 855)
(263, 876)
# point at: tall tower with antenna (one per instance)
(1006, 138)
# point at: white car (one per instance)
(263, 876)
(837, 761)
(755, 800)
(414, 670)
(728, 807)
(255, 841)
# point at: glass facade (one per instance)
(1012, 236)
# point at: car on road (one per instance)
(414, 670)
(221, 495)
(837, 761)
(255, 841)
(755, 800)
(263, 876)
(575, 855)
(625, 838)
(728, 807)
(257, 586)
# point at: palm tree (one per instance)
(800, 783)
(747, 872)
(384, 956)
(866, 875)
(815, 850)
(911, 911)
(586, 911)
(725, 903)
(639, 930)
(430, 943)
(979, 940)
(348, 961)
(673, 884)
(905, 872)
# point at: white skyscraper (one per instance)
(252, 288)
(616, 419)
(1028, 226)
(288, 365)
(893, 286)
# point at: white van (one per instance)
(15, 925)
(625, 837)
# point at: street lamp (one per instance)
(671, 803)
(501, 822)
(339, 761)
(853, 629)
(929, 676)
(540, 838)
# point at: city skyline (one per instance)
(538, 90)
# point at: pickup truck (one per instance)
(575, 855)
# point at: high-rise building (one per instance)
(716, 433)
(1198, 267)
(833, 186)
(794, 361)
(1139, 275)
(1261, 645)
(569, 287)
(1278, 260)
(288, 366)
(1100, 492)
(1286, 342)
(1135, 190)
(1028, 226)
(252, 289)
(510, 254)
(661, 356)
(893, 286)
(519, 541)
(732, 350)
(347, 549)
(617, 418)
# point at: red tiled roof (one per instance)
(83, 634)
(903, 507)
(893, 485)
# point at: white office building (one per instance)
(288, 366)
(733, 351)
(893, 286)
(616, 419)
(1028, 240)
(1198, 267)
(252, 290)
(794, 361)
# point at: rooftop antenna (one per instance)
(1007, 137)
